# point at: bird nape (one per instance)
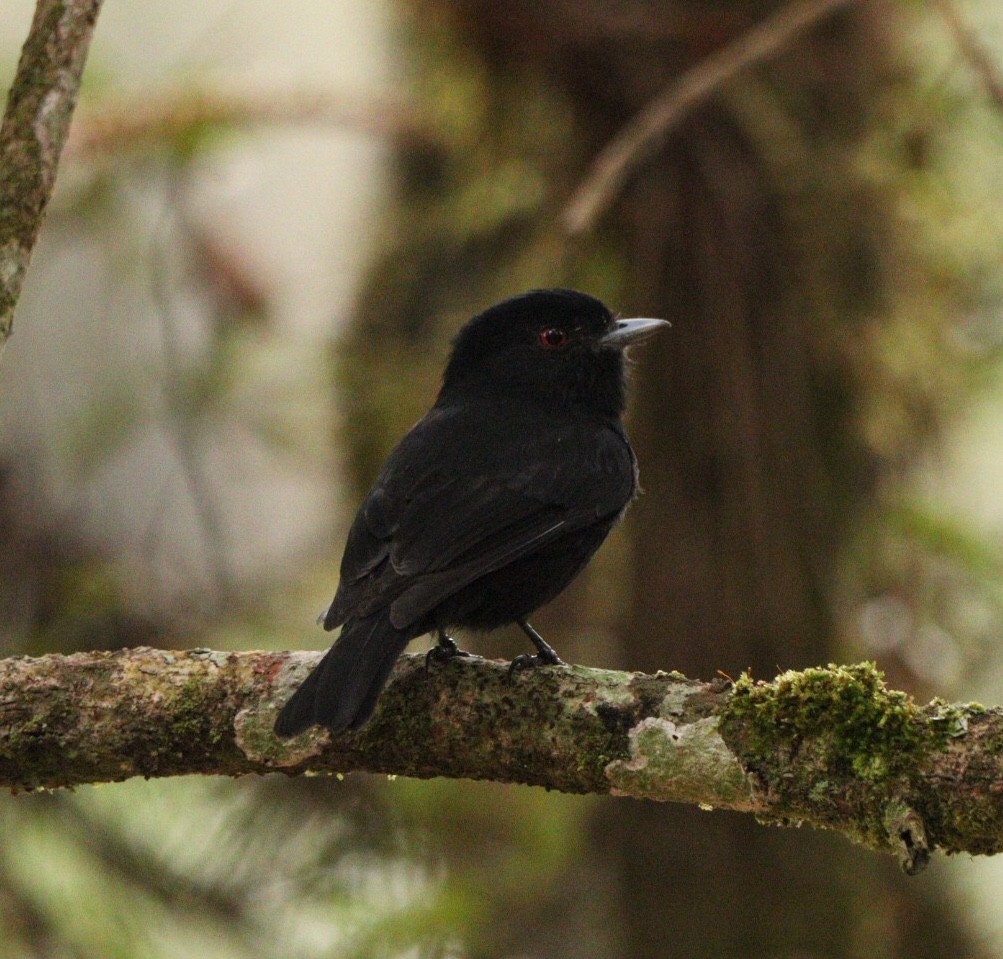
(491, 505)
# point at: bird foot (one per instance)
(525, 661)
(545, 653)
(445, 650)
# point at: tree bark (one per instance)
(831, 747)
(35, 125)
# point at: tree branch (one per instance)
(116, 125)
(641, 136)
(39, 108)
(969, 47)
(832, 747)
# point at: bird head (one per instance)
(558, 347)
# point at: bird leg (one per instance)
(445, 650)
(545, 654)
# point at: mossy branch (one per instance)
(832, 747)
(37, 119)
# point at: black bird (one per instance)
(493, 502)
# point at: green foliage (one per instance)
(210, 868)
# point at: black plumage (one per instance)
(491, 504)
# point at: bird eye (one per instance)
(553, 338)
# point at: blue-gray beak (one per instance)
(627, 332)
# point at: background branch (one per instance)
(115, 125)
(977, 57)
(642, 135)
(35, 125)
(831, 747)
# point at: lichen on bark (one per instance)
(683, 763)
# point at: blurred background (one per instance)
(269, 222)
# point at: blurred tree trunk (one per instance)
(755, 233)
(733, 550)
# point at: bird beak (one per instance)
(626, 332)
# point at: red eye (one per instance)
(553, 338)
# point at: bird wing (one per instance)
(445, 513)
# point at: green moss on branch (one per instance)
(835, 747)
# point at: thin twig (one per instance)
(39, 109)
(642, 135)
(180, 418)
(978, 59)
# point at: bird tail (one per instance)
(342, 690)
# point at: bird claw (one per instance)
(546, 655)
(445, 650)
(525, 661)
